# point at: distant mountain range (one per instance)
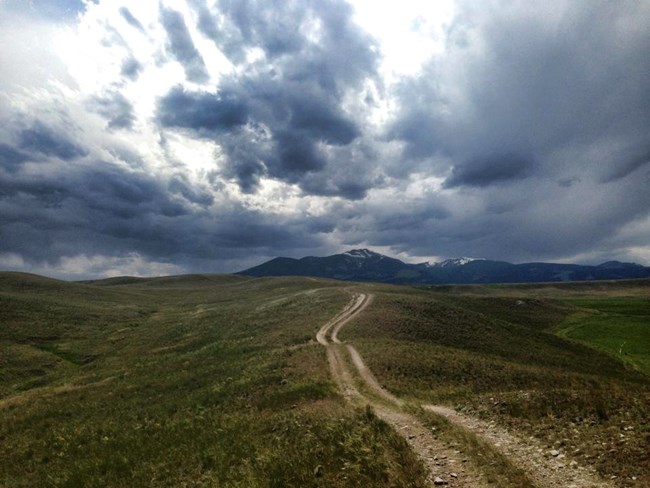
(365, 265)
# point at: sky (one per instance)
(165, 137)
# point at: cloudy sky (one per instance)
(159, 137)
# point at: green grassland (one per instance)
(542, 359)
(619, 326)
(181, 381)
(207, 380)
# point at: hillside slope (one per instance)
(492, 353)
(180, 381)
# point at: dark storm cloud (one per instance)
(416, 126)
(563, 76)
(292, 100)
(628, 162)
(180, 185)
(568, 182)
(347, 187)
(133, 22)
(489, 170)
(107, 210)
(202, 112)
(11, 158)
(519, 223)
(227, 38)
(246, 162)
(560, 95)
(182, 47)
(321, 121)
(421, 216)
(297, 155)
(270, 26)
(116, 109)
(44, 140)
(526, 139)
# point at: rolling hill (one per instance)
(208, 380)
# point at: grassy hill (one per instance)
(543, 359)
(180, 381)
(206, 380)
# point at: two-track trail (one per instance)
(447, 464)
(440, 460)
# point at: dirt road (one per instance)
(442, 462)
(544, 468)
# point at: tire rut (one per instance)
(440, 460)
(543, 469)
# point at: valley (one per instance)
(207, 380)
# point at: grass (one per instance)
(209, 380)
(618, 326)
(181, 381)
(492, 351)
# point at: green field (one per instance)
(209, 380)
(618, 326)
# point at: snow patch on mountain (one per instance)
(448, 263)
(361, 254)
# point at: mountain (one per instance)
(357, 265)
(366, 265)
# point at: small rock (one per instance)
(438, 481)
(318, 471)
(284, 381)
(453, 475)
(554, 453)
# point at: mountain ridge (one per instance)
(366, 265)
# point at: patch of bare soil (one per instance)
(545, 467)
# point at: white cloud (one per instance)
(29, 57)
(84, 267)
(409, 31)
